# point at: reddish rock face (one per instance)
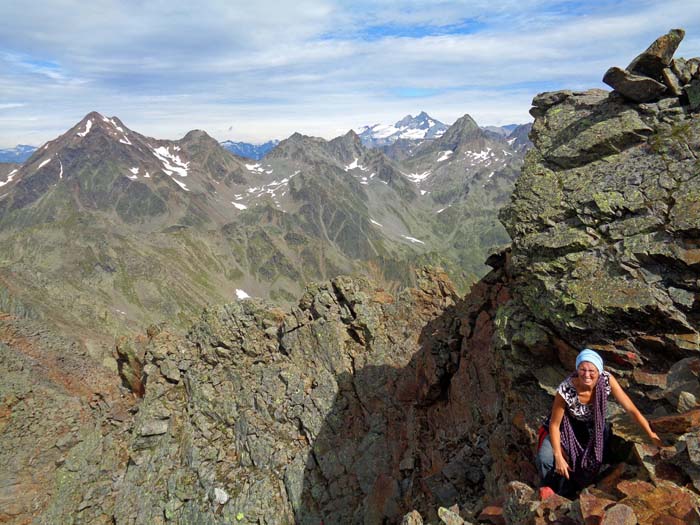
(662, 503)
(619, 515)
(677, 424)
(593, 507)
(492, 514)
(610, 481)
(650, 379)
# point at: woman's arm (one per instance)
(631, 409)
(561, 466)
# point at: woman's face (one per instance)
(588, 373)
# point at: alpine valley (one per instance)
(104, 227)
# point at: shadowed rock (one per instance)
(635, 87)
(657, 56)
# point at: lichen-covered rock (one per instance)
(635, 87)
(658, 55)
(315, 413)
(604, 219)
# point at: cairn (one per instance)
(655, 74)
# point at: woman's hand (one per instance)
(631, 409)
(656, 440)
(561, 467)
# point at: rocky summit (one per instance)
(357, 405)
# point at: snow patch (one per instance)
(444, 155)
(376, 223)
(382, 131)
(10, 176)
(125, 140)
(354, 165)
(110, 121)
(413, 134)
(60, 175)
(239, 206)
(241, 294)
(271, 188)
(181, 184)
(88, 125)
(135, 171)
(147, 175)
(423, 192)
(171, 162)
(481, 156)
(418, 177)
(256, 168)
(44, 163)
(413, 239)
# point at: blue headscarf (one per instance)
(592, 357)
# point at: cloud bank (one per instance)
(254, 72)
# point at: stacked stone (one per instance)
(655, 74)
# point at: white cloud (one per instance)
(317, 66)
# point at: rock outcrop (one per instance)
(655, 74)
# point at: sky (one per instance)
(254, 71)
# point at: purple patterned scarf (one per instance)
(586, 462)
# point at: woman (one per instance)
(571, 455)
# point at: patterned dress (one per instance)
(580, 415)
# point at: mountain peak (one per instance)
(423, 126)
(463, 130)
(110, 126)
(198, 135)
(465, 122)
(92, 115)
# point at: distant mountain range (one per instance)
(249, 151)
(22, 152)
(406, 132)
(103, 224)
(17, 155)
(420, 127)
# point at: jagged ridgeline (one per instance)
(358, 406)
(104, 226)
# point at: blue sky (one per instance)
(254, 72)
